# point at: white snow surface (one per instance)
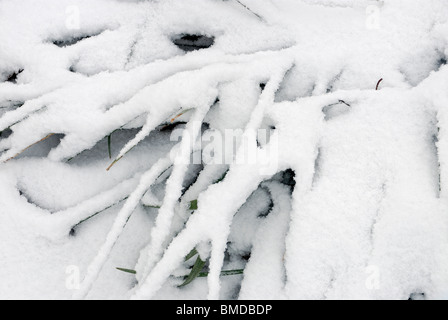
(367, 217)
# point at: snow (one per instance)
(367, 217)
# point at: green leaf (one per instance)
(98, 212)
(127, 270)
(194, 205)
(195, 271)
(191, 254)
(232, 272)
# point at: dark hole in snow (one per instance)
(13, 76)
(442, 62)
(5, 133)
(42, 148)
(9, 106)
(12, 105)
(72, 69)
(192, 42)
(72, 232)
(72, 40)
(435, 137)
(417, 296)
(246, 257)
(191, 176)
(288, 178)
(171, 126)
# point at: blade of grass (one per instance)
(121, 127)
(113, 163)
(127, 270)
(195, 271)
(250, 10)
(191, 254)
(224, 273)
(41, 140)
(172, 120)
(180, 114)
(101, 211)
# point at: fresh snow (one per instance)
(366, 216)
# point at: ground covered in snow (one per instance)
(346, 196)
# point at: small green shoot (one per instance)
(195, 271)
(194, 205)
(127, 270)
(191, 254)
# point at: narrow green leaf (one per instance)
(191, 254)
(232, 272)
(195, 271)
(127, 270)
(101, 211)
